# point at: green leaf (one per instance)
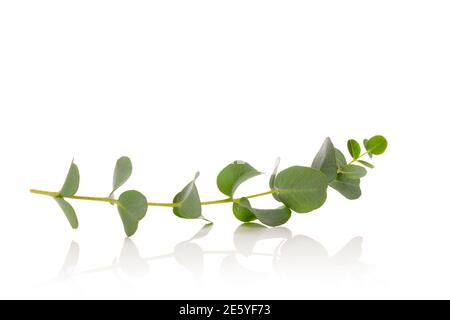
(377, 145)
(270, 217)
(132, 207)
(349, 188)
(340, 158)
(122, 173)
(365, 146)
(354, 148)
(301, 189)
(367, 164)
(242, 213)
(233, 175)
(353, 172)
(188, 202)
(325, 160)
(272, 178)
(68, 211)
(70, 186)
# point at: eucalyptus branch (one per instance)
(299, 189)
(150, 204)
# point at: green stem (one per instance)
(56, 194)
(354, 160)
(228, 200)
(150, 204)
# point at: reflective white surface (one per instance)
(294, 257)
(286, 257)
(187, 86)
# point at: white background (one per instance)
(181, 86)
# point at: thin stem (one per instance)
(206, 203)
(354, 160)
(150, 204)
(159, 204)
(228, 200)
(57, 194)
(263, 194)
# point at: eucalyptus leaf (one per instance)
(301, 189)
(325, 160)
(70, 186)
(242, 213)
(132, 207)
(272, 178)
(377, 145)
(68, 211)
(270, 217)
(340, 158)
(233, 175)
(353, 172)
(349, 188)
(122, 173)
(188, 202)
(365, 146)
(354, 148)
(367, 164)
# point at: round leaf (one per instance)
(270, 217)
(242, 213)
(340, 158)
(70, 186)
(132, 207)
(365, 146)
(188, 202)
(122, 172)
(325, 160)
(353, 172)
(301, 189)
(233, 175)
(377, 145)
(68, 211)
(354, 148)
(349, 188)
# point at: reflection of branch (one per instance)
(171, 255)
(71, 261)
(292, 254)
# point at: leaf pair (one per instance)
(230, 178)
(69, 188)
(343, 177)
(374, 146)
(300, 189)
(354, 149)
(332, 162)
(132, 205)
